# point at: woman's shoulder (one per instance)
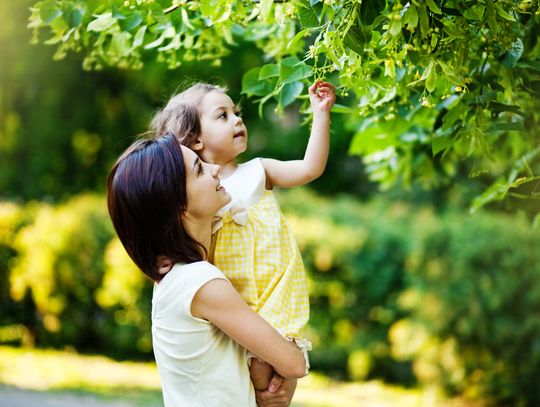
(192, 274)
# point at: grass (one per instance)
(60, 372)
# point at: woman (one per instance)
(162, 199)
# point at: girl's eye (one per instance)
(200, 169)
(223, 115)
(238, 113)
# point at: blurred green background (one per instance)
(407, 287)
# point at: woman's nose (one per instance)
(216, 170)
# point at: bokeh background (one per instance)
(407, 287)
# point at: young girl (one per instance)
(254, 246)
(162, 199)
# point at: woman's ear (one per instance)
(197, 145)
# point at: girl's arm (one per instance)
(218, 302)
(298, 172)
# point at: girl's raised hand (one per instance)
(322, 96)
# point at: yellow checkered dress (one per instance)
(256, 250)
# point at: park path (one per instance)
(14, 397)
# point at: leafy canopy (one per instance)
(428, 87)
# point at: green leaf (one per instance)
(455, 113)
(269, 70)
(167, 33)
(266, 8)
(292, 69)
(102, 22)
(297, 38)
(289, 93)
(139, 37)
(371, 10)
(475, 12)
(253, 86)
(49, 11)
(175, 43)
(497, 107)
(451, 11)
(217, 11)
(451, 30)
(440, 143)
(503, 126)
(433, 7)
(116, 12)
(536, 221)
(356, 38)
(308, 16)
(73, 17)
(529, 64)
(424, 21)
(512, 56)
(395, 27)
(496, 192)
(131, 22)
(503, 13)
(120, 44)
(411, 16)
(337, 108)
(431, 80)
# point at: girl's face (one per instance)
(204, 192)
(223, 134)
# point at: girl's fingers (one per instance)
(314, 87)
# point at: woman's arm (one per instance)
(218, 302)
(298, 172)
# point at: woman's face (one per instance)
(204, 192)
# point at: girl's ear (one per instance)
(197, 145)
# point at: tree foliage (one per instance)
(428, 86)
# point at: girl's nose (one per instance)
(216, 170)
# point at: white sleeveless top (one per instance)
(198, 364)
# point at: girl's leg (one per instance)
(261, 373)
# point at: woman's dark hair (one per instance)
(146, 196)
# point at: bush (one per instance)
(402, 294)
(65, 260)
(355, 256)
(474, 290)
(397, 293)
(16, 317)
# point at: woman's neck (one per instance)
(200, 230)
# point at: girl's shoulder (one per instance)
(251, 164)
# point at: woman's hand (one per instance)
(281, 397)
(322, 96)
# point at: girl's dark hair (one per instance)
(146, 196)
(181, 114)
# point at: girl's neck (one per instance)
(228, 168)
